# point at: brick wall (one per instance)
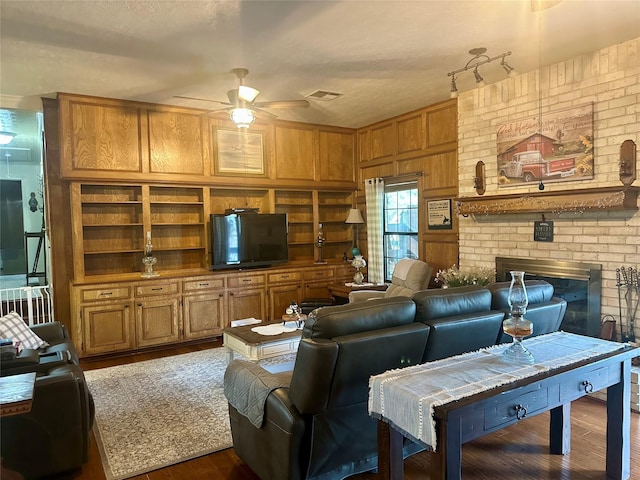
(610, 79)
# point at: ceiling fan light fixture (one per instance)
(242, 117)
(6, 137)
(248, 94)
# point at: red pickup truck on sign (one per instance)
(532, 166)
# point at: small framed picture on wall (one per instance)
(238, 152)
(439, 215)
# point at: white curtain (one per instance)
(374, 194)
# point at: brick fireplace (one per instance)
(576, 282)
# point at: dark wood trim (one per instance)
(602, 198)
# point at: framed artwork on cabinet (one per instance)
(238, 152)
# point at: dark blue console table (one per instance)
(468, 418)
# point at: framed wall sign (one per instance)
(439, 215)
(547, 147)
(238, 152)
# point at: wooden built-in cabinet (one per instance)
(132, 314)
(128, 169)
(111, 223)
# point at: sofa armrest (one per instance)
(363, 295)
(52, 332)
(50, 438)
(247, 386)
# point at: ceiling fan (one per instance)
(242, 105)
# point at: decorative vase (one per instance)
(149, 260)
(516, 325)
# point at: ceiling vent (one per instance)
(324, 95)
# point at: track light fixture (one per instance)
(479, 80)
(454, 88)
(479, 58)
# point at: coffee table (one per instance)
(255, 346)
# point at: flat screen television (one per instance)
(248, 240)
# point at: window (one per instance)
(400, 238)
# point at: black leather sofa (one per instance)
(54, 436)
(319, 427)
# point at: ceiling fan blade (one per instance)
(283, 104)
(264, 113)
(184, 97)
(215, 112)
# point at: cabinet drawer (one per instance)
(284, 277)
(318, 274)
(504, 412)
(203, 284)
(106, 293)
(588, 382)
(245, 281)
(157, 289)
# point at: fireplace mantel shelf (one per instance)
(604, 198)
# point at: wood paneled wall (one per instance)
(425, 143)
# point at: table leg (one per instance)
(619, 425)
(229, 355)
(560, 429)
(446, 461)
(390, 460)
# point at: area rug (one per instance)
(160, 412)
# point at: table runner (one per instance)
(406, 398)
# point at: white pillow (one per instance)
(12, 326)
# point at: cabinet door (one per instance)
(317, 290)
(249, 303)
(204, 315)
(107, 327)
(280, 298)
(175, 143)
(157, 321)
(99, 138)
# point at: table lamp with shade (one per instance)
(355, 218)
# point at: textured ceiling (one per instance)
(385, 57)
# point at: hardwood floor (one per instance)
(519, 452)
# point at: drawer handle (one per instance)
(521, 411)
(157, 289)
(106, 294)
(285, 276)
(588, 387)
(246, 280)
(203, 284)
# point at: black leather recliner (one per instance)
(319, 427)
(54, 436)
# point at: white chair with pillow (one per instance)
(409, 276)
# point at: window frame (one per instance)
(388, 261)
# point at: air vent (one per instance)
(324, 95)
